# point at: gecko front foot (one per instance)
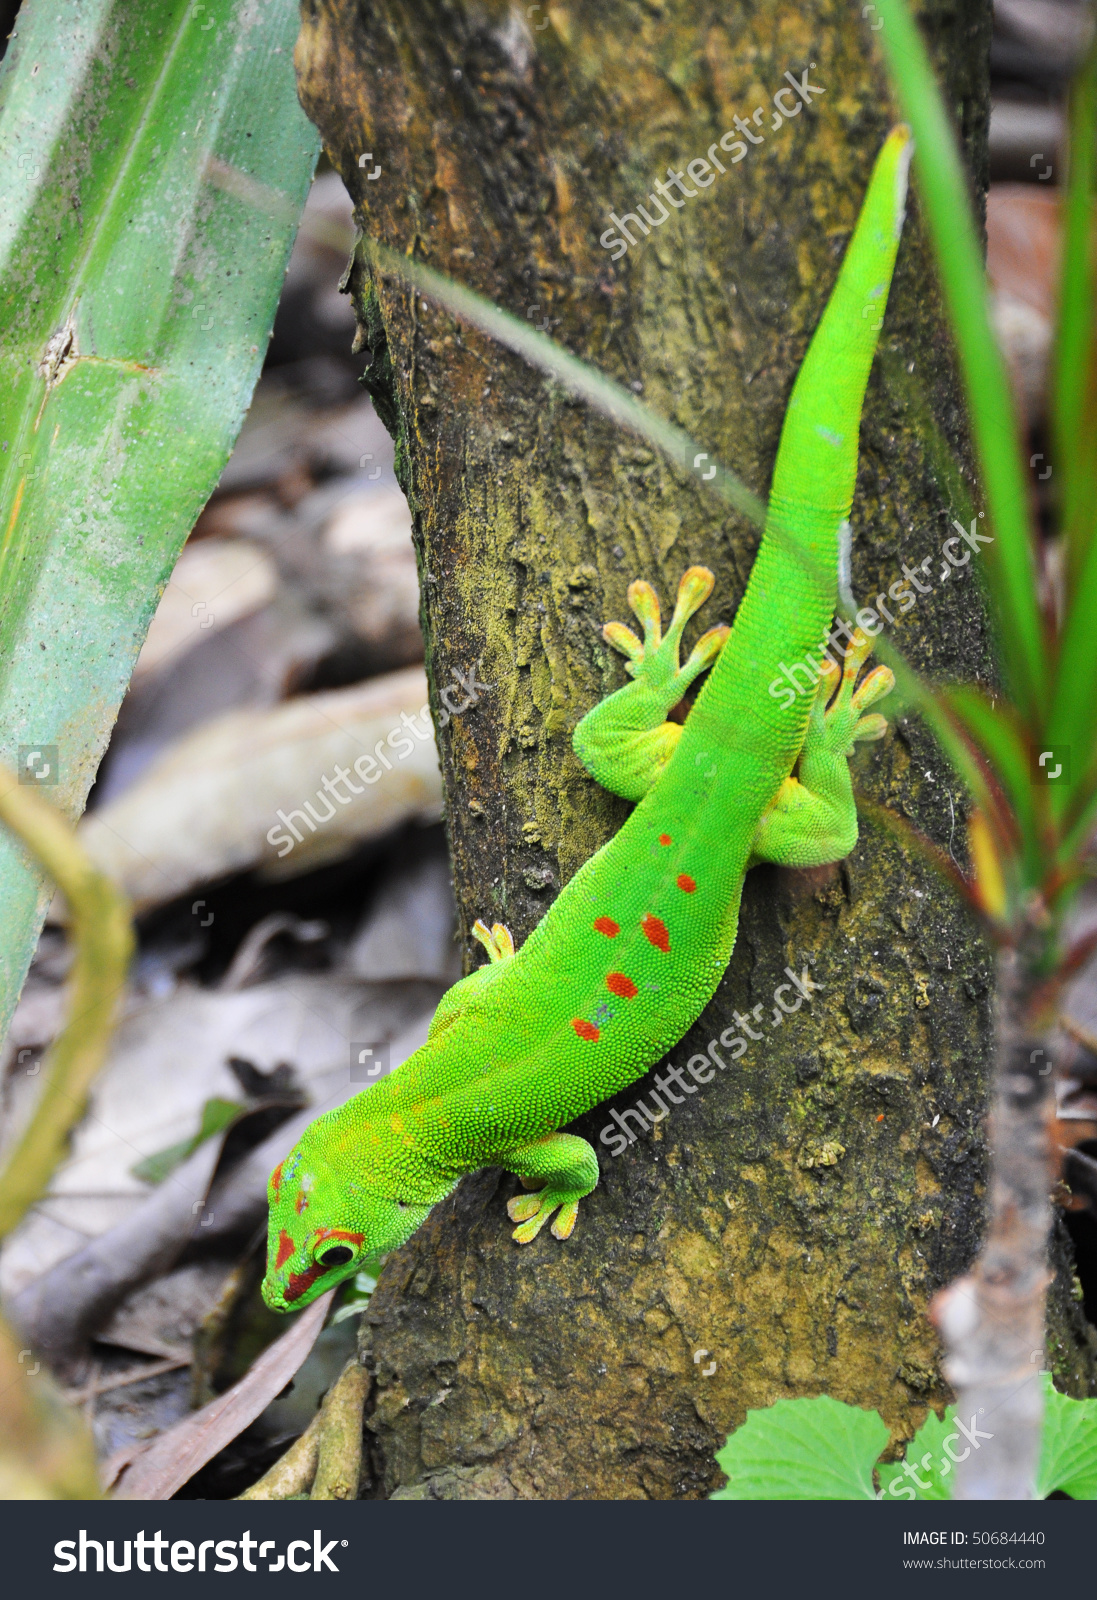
(496, 940)
(626, 741)
(654, 659)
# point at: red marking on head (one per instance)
(607, 926)
(686, 883)
(301, 1202)
(618, 983)
(276, 1179)
(286, 1248)
(338, 1233)
(301, 1282)
(585, 1030)
(655, 932)
(664, 838)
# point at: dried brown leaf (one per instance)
(170, 1460)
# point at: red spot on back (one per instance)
(286, 1248)
(301, 1202)
(655, 932)
(607, 926)
(585, 1030)
(686, 883)
(618, 983)
(276, 1179)
(664, 838)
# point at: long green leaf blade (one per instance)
(996, 733)
(136, 300)
(1073, 372)
(944, 195)
(1073, 719)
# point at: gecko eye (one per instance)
(336, 1256)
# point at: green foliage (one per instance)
(137, 292)
(944, 194)
(822, 1449)
(815, 1449)
(1037, 830)
(216, 1116)
(1068, 1448)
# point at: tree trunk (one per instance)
(781, 1231)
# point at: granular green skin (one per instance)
(634, 947)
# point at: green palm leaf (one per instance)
(136, 301)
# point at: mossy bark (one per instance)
(780, 1232)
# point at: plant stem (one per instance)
(292, 1473)
(340, 1462)
(992, 1319)
(103, 936)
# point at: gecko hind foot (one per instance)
(559, 1169)
(532, 1211)
(655, 657)
(844, 722)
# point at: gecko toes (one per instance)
(707, 648)
(532, 1211)
(871, 727)
(644, 604)
(696, 586)
(496, 940)
(879, 682)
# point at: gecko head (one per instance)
(323, 1225)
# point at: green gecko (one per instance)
(632, 949)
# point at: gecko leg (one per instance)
(813, 818)
(625, 741)
(561, 1169)
(499, 945)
